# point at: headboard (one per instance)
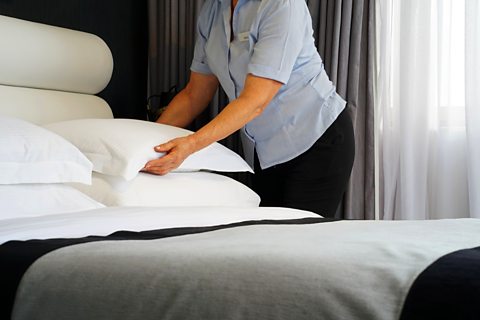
(123, 27)
(50, 73)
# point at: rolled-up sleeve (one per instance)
(199, 63)
(280, 38)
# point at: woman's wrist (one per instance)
(193, 141)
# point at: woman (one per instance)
(294, 129)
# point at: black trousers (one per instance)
(315, 180)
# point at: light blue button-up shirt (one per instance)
(271, 39)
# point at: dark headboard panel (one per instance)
(122, 24)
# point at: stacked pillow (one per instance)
(172, 190)
(49, 170)
(119, 149)
(35, 164)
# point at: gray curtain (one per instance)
(344, 31)
(171, 36)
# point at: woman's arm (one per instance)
(191, 101)
(257, 94)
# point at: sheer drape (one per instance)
(472, 100)
(421, 108)
(344, 33)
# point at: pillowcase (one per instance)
(29, 200)
(32, 154)
(173, 189)
(121, 147)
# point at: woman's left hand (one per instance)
(176, 151)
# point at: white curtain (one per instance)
(427, 108)
(472, 10)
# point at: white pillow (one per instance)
(28, 200)
(173, 189)
(32, 154)
(121, 147)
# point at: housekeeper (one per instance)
(295, 130)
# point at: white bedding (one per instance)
(104, 221)
(172, 190)
(28, 200)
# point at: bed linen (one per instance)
(237, 263)
(32, 154)
(174, 189)
(122, 147)
(39, 199)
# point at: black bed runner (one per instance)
(448, 289)
(17, 256)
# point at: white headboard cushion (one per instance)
(41, 56)
(47, 106)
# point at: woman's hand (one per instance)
(176, 151)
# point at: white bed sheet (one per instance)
(104, 221)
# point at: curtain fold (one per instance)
(171, 39)
(344, 31)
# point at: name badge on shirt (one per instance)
(243, 36)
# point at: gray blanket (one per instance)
(338, 270)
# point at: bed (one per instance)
(123, 251)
